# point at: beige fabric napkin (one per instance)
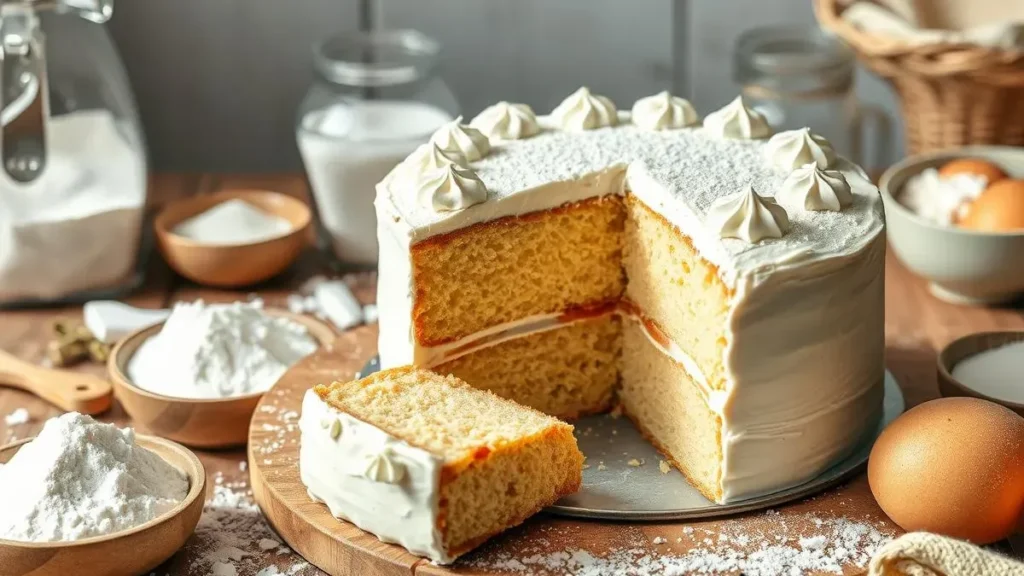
(924, 554)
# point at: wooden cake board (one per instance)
(339, 548)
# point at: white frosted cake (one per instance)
(723, 285)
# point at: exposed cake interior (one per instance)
(485, 463)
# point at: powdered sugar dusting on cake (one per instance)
(678, 173)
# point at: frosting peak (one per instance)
(462, 139)
(583, 110)
(507, 121)
(737, 120)
(815, 189)
(794, 148)
(663, 111)
(450, 188)
(382, 467)
(748, 216)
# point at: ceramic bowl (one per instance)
(196, 422)
(970, 345)
(232, 265)
(962, 266)
(134, 551)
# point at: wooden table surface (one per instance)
(917, 325)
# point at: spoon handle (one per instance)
(69, 391)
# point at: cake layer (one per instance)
(677, 288)
(515, 267)
(567, 371)
(430, 462)
(671, 410)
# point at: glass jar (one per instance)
(73, 170)
(376, 98)
(800, 77)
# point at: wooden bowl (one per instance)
(235, 265)
(970, 345)
(196, 422)
(134, 551)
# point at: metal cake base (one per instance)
(614, 490)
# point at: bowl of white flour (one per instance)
(197, 377)
(88, 496)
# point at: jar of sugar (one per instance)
(72, 158)
(376, 98)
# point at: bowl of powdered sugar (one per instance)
(85, 497)
(197, 377)
(233, 238)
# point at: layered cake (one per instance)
(724, 285)
(429, 462)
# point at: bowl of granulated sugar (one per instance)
(233, 238)
(197, 377)
(84, 497)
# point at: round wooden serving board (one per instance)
(340, 548)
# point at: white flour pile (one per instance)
(231, 223)
(779, 549)
(77, 226)
(219, 351)
(80, 478)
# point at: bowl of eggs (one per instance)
(956, 218)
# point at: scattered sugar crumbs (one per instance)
(664, 466)
(794, 544)
(234, 539)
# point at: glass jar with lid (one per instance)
(72, 157)
(376, 97)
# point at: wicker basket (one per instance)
(950, 94)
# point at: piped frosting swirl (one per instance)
(462, 139)
(382, 467)
(748, 216)
(812, 188)
(450, 188)
(584, 110)
(663, 111)
(737, 120)
(507, 121)
(794, 148)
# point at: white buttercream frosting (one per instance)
(663, 111)
(584, 110)
(335, 472)
(462, 139)
(507, 121)
(748, 216)
(429, 157)
(792, 149)
(383, 466)
(813, 188)
(739, 121)
(450, 188)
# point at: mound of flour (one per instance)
(80, 478)
(219, 351)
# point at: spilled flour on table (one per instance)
(776, 547)
(233, 538)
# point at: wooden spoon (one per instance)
(69, 391)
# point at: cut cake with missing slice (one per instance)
(429, 462)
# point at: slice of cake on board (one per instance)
(429, 462)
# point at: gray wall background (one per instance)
(218, 82)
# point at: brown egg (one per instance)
(1000, 208)
(952, 466)
(976, 166)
